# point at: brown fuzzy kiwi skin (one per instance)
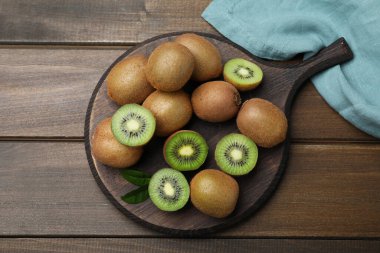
(107, 150)
(214, 193)
(263, 122)
(169, 66)
(127, 83)
(216, 101)
(170, 137)
(172, 110)
(208, 61)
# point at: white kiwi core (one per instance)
(132, 125)
(236, 154)
(169, 189)
(186, 150)
(243, 72)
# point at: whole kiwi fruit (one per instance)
(172, 110)
(214, 193)
(263, 122)
(208, 61)
(127, 83)
(107, 150)
(216, 101)
(169, 66)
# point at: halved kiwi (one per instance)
(133, 125)
(243, 74)
(169, 190)
(185, 150)
(236, 154)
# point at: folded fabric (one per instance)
(280, 29)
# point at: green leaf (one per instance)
(136, 177)
(136, 196)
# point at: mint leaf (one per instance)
(136, 177)
(136, 196)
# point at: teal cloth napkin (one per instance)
(280, 29)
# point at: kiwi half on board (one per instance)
(133, 125)
(169, 190)
(236, 154)
(243, 74)
(185, 150)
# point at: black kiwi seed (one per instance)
(174, 183)
(242, 148)
(238, 73)
(137, 117)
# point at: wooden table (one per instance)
(52, 54)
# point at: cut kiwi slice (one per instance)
(169, 190)
(133, 125)
(236, 154)
(185, 150)
(243, 74)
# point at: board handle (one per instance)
(337, 52)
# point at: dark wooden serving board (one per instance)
(281, 82)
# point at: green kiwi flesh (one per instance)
(185, 150)
(169, 190)
(236, 154)
(133, 125)
(243, 74)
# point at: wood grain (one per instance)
(101, 22)
(48, 90)
(63, 79)
(135, 245)
(46, 188)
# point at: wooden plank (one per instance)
(313, 119)
(48, 90)
(101, 22)
(94, 245)
(46, 188)
(45, 92)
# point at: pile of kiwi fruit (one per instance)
(153, 103)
